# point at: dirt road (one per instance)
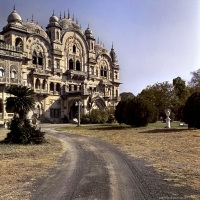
(93, 169)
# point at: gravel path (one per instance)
(92, 169)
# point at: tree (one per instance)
(191, 111)
(181, 94)
(21, 100)
(126, 95)
(159, 95)
(194, 83)
(21, 131)
(136, 113)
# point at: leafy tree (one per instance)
(159, 95)
(98, 116)
(181, 94)
(191, 111)
(21, 102)
(194, 83)
(126, 95)
(136, 113)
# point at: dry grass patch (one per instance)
(174, 152)
(20, 165)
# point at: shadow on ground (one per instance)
(164, 130)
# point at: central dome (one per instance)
(35, 28)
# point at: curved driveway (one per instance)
(94, 169)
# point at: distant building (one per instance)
(62, 65)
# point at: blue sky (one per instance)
(155, 40)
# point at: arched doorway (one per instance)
(73, 112)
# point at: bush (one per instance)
(136, 113)
(23, 133)
(191, 111)
(85, 119)
(119, 110)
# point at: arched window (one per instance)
(34, 58)
(97, 72)
(116, 93)
(75, 87)
(57, 87)
(49, 63)
(40, 59)
(105, 72)
(71, 64)
(18, 42)
(1, 72)
(37, 84)
(44, 84)
(78, 65)
(13, 74)
(74, 49)
(57, 35)
(51, 86)
(92, 46)
(101, 71)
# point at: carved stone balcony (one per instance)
(76, 75)
(43, 92)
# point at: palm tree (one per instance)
(21, 101)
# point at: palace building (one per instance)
(62, 64)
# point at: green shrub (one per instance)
(22, 132)
(191, 111)
(136, 113)
(85, 119)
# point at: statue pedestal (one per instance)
(168, 122)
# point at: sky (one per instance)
(155, 40)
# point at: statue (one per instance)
(167, 112)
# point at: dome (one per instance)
(66, 23)
(113, 56)
(14, 17)
(35, 28)
(88, 33)
(53, 18)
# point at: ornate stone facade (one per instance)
(62, 65)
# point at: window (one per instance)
(101, 71)
(57, 35)
(44, 83)
(75, 87)
(116, 93)
(71, 64)
(74, 49)
(40, 59)
(19, 43)
(49, 63)
(92, 47)
(51, 86)
(92, 70)
(13, 74)
(34, 58)
(58, 64)
(78, 66)
(116, 76)
(57, 87)
(37, 84)
(105, 72)
(97, 73)
(1, 72)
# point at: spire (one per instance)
(76, 20)
(32, 18)
(53, 11)
(80, 26)
(27, 20)
(112, 46)
(88, 26)
(64, 15)
(60, 15)
(73, 17)
(14, 7)
(98, 41)
(68, 14)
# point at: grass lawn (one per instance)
(20, 165)
(174, 152)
